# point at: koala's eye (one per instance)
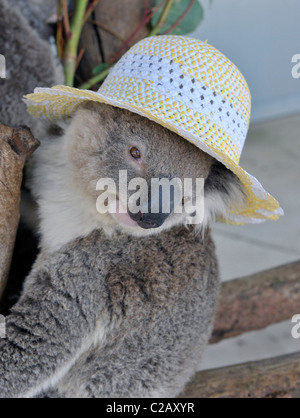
(184, 200)
(135, 153)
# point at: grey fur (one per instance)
(157, 320)
(29, 62)
(37, 12)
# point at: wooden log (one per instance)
(256, 301)
(278, 377)
(16, 145)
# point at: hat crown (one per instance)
(191, 85)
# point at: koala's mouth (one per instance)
(123, 218)
(134, 220)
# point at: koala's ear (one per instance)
(62, 125)
(222, 190)
(56, 130)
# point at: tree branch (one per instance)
(278, 377)
(16, 145)
(256, 301)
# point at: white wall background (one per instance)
(260, 37)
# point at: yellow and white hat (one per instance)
(187, 86)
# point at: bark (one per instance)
(278, 377)
(16, 145)
(256, 301)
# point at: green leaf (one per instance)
(100, 68)
(190, 22)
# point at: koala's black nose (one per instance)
(149, 220)
(155, 215)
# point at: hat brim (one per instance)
(60, 102)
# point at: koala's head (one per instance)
(137, 170)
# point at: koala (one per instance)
(37, 13)
(29, 59)
(116, 305)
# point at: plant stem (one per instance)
(94, 80)
(108, 30)
(180, 19)
(59, 33)
(70, 53)
(90, 10)
(66, 19)
(162, 18)
(79, 58)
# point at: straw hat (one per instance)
(187, 86)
